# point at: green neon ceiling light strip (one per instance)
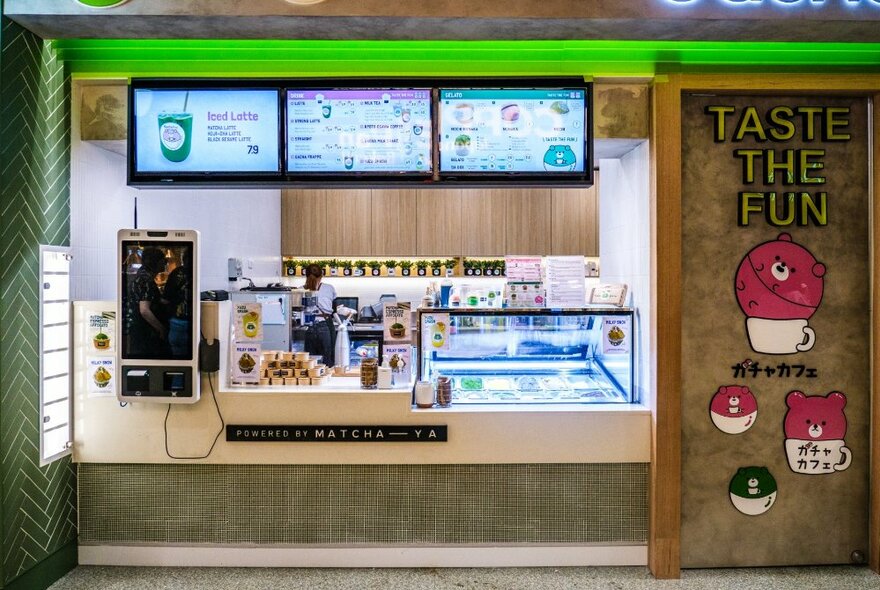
(139, 57)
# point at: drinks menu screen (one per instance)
(509, 131)
(351, 131)
(222, 130)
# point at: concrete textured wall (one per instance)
(816, 518)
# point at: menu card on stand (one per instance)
(565, 281)
(522, 269)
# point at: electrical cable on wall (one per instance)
(216, 438)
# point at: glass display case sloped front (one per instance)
(530, 356)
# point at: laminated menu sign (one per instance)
(399, 357)
(565, 281)
(246, 362)
(512, 130)
(248, 322)
(101, 375)
(102, 327)
(397, 322)
(351, 131)
(211, 130)
(435, 331)
(522, 268)
(616, 335)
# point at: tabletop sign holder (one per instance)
(608, 295)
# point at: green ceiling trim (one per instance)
(142, 57)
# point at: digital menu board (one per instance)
(350, 131)
(228, 130)
(531, 131)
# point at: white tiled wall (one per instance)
(232, 223)
(625, 240)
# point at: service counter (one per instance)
(340, 423)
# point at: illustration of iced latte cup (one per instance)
(250, 323)
(175, 135)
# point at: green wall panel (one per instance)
(38, 503)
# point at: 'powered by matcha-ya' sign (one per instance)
(801, 170)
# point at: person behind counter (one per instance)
(144, 328)
(321, 336)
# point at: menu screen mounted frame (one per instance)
(204, 131)
(359, 132)
(527, 132)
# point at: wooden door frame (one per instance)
(664, 524)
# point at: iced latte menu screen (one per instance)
(359, 131)
(512, 131)
(192, 131)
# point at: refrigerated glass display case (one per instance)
(530, 356)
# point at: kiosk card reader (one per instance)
(158, 315)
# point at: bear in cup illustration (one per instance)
(779, 286)
(733, 409)
(752, 490)
(815, 427)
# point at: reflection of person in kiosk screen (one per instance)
(178, 294)
(145, 332)
(321, 337)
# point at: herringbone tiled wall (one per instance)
(38, 503)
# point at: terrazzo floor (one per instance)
(575, 578)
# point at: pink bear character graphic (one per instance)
(779, 286)
(733, 409)
(815, 427)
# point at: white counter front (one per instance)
(106, 432)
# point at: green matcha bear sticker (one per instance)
(753, 490)
(559, 158)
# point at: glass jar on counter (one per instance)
(444, 391)
(369, 373)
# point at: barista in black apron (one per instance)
(321, 336)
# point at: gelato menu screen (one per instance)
(369, 131)
(226, 130)
(526, 131)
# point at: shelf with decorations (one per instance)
(374, 267)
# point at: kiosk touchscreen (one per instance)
(158, 313)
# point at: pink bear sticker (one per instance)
(815, 427)
(733, 409)
(779, 286)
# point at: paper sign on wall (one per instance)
(246, 362)
(435, 331)
(101, 331)
(397, 322)
(616, 335)
(400, 360)
(101, 375)
(248, 322)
